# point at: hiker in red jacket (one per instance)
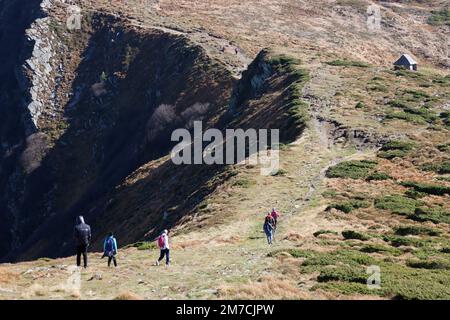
(163, 244)
(275, 215)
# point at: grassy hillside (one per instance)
(364, 159)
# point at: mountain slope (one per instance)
(364, 153)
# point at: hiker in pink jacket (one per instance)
(163, 244)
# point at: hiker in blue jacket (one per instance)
(110, 249)
(269, 227)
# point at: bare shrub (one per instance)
(99, 89)
(195, 112)
(163, 115)
(37, 146)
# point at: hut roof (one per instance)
(405, 58)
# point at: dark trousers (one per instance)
(113, 258)
(82, 250)
(165, 252)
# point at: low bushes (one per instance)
(143, 245)
(348, 206)
(320, 232)
(435, 189)
(378, 248)
(397, 204)
(441, 168)
(395, 149)
(378, 176)
(360, 105)
(441, 17)
(356, 169)
(347, 63)
(415, 230)
(428, 264)
(344, 271)
(398, 241)
(350, 234)
(432, 214)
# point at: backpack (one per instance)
(161, 241)
(109, 247)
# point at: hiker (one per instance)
(110, 249)
(163, 244)
(82, 235)
(275, 216)
(268, 227)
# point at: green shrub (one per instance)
(347, 63)
(397, 241)
(351, 169)
(443, 147)
(360, 105)
(395, 148)
(345, 257)
(417, 94)
(344, 273)
(318, 233)
(416, 230)
(398, 145)
(298, 111)
(329, 194)
(413, 194)
(398, 282)
(409, 117)
(391, 154)
(425, 113)
(344, 207)
(444, 81)
(378, 176)
(348, 206)
(103, 77)
(283, 60)
(378, 87)
(438, 18)
(397, 204)
(445, 116)
(433, 264)
(243, 183)
(438, 190)
(350, 234)
(296, 253)
(142, 245)
(398, 104)
(432, 214)
(441, 168)
(378, 248)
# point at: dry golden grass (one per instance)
(293, 236)
(267, 287)
(127, 295)
(7, 276)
